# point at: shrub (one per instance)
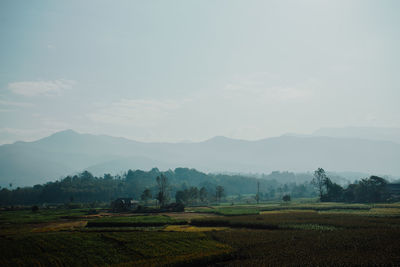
(35, 208)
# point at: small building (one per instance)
(124, 204)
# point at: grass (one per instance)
(134, 221)
(230, 210)
(41, 216)
(237, 210)
(94, 249)
(282, 220)
(345, 247)
(190, 228)
(309, 226)
(273, 234)
(373, 212)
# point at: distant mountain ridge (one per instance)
(371, 133)
(66, 152)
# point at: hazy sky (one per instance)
(190, 70)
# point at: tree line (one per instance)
(191, 187)
(86, 188)
(187, 196)
(368, 190)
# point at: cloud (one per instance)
(244, 108)
(15, 104)
(266, 93)
(35, 88)
(266, 87)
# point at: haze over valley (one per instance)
(68, 152)
(199, 133)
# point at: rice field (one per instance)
(134, 221)
(108, 248)
(273, 234)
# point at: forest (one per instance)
(191, 187)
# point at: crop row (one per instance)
(281, 220)
(343, 247)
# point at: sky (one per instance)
(172, 71)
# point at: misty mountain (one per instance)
(28, 163)
(372, 133)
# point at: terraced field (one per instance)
(323, 234)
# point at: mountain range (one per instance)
(68, 152)
(371, 133)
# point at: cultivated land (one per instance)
(276, 234)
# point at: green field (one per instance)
(278, 234)
(233, 210)
(134, 221)
(108, 248)
(44, 215)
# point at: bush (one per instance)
(178, 207)
(73, 205)
(92, 212)
(35, 208)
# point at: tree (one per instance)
(272, 193)
(193, 193)
(319, 181)
(108, 176)
(146, 195)
(35, 208)
(280, 191)
(258, 192)
(219, 193)
(285, 188)
(203, 194)
(371, 189)
(163, 187)
(181, 197)
(187, 196)
(286, 198)
(334, 192)
(299, 191)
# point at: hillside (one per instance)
(28, 163)
(371, 133)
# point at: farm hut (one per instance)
(123, 204)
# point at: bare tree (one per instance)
(319, 181)
(163, 187)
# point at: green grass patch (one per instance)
(317, 207)
(308, 226)
(237, 210)
(228, 210)
(41, 216)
